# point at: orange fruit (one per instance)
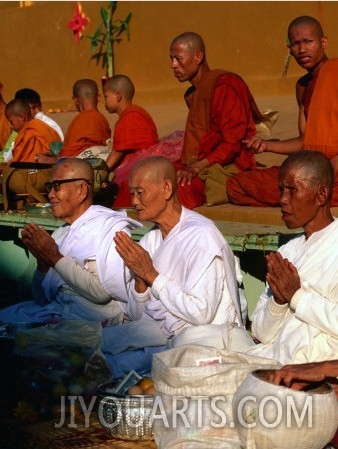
(150, 390)
(135, 389)
(145, 383)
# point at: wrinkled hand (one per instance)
(296, 376)
(136, 259)
(256, 145)
(40, 243)
(282, 278)
(185, 175)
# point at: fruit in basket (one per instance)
(145, 383)
(135, 389)
(150, 390)
(143, 386)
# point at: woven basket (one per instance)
(127, 417)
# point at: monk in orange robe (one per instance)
(33, 137)
(90, 127)
(318, 119)
(222, 113)
(134, 134)
(5, 126)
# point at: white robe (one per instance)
(307, 329)
(196, 285)
(61, 293)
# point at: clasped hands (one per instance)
(137, 259)
(41, 244)
(282, 277)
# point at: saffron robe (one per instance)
(5, 127)
(35, 137)
(260, 187)
(135, 133)
(222, 113)
(322, 122)
(89, 128)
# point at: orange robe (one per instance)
(260, 187)
(222, 113)
(134, 134)
(322, 122)
(88, 129)
(35, 137)
(5, 127)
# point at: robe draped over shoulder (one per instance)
(34, 138)
(88, 129)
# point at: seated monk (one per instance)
(33, 137)
(317, 118)
(32, 97)
(89, 128)
(134, 131)
(5, 126)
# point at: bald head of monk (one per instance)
(18, 113)
(188, 58)
(70, 190)
(118, 93)
(306, 183)
(153, 187)
(85, 94)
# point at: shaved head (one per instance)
(192, 41)
(307, 20)
(75, 168)
(85, 89)
(17, 107)
(156, 169)
(313, 166)
(122, 84)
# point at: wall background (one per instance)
(249, 37)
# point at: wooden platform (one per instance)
(246, 214)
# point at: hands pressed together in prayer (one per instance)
(184, 175)
(282, 277)
(137, 259)
(40, 243)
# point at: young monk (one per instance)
(135, 130)
(317, 119)
(89, 128)
(33, 98)
(34, 136)
(5, 126)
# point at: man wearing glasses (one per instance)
(79, 274)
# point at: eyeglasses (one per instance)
(56, 185)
